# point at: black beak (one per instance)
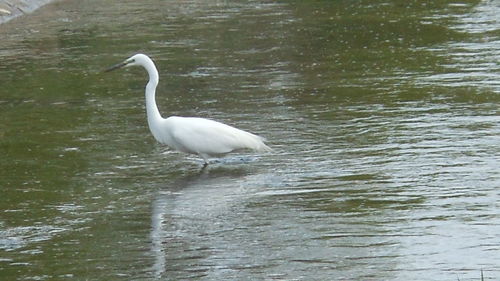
(120, 65)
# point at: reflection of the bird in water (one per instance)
(186, 214)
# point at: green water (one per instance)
(383, 117)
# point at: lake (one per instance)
(383, 117)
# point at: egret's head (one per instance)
(138, 59)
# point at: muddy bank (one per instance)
(10, 9)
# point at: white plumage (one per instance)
(204, 137)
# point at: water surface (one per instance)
(383, 117)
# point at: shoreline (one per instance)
(11, 9)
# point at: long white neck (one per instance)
(152, 111)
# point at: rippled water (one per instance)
(383, 117)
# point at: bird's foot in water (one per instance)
(232, 160)
(208, 162)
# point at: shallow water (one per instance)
(383, 118)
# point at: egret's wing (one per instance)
(199, 135)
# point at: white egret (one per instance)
(204, 137)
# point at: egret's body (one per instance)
(204, 137)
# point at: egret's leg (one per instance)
(205, 158)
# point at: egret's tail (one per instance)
(256, 143)
(261, 146)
